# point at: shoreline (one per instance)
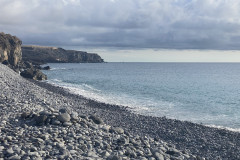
(132, 110)
(200, 140)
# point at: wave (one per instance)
(52, 69)
(226, 128)
(138, 105)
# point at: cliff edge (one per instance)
(41, 55)
(10, 50)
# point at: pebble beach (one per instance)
(42, 121)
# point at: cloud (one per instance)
(179, 24)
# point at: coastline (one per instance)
(200, 140)
(21, 95)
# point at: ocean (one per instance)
(204, 93)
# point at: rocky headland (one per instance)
(42, 55)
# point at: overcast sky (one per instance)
(173, 24)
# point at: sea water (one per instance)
(206, 93)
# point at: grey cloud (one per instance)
(183, 24)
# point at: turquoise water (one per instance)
(207, 93)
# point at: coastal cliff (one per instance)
(11, 55)
(10, 50)
(41, 55)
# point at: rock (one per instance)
(40, 119)
(32, 73)
(158, 156)
(28, 64)
(9, 151)
(45, 113)
(114, 157)
(14, 157)
(63, 110)
(96, 119)
(65, 124)
(1, 148)
(9, 138)
(122, 141)
(56, 122)
(46, 68)
(25, 115)
(105, 154)
(64, 117)
(118, 130)
(5, 62)
(173, 152)
(74, 116)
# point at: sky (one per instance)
(169, 26)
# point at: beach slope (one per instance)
(38, 120)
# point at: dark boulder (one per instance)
(28, 64)
(32, 73)
(46, 68)
(5, 62)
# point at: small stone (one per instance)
(1, 148)
(63, 110)
(74, 116)
(158, 156)
(25, 115)
(33, 154)
(173, 151)
(10, 151)
(44, 113)
(106, 128)
(105, 154)
(56, 122)
(96, 119)
(114, 157)
(60, 145)
(14, 157)
(66, 124)
(64, 117)
(9, 138)
(118, 130)
(40, 119)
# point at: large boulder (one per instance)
(10, 50)
(32, 73)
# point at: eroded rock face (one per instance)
(10, 49)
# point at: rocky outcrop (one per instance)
(10, 50)
(11, 55)
(33, 73)
(42, 55)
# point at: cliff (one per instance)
(41, 55)
(10, 50)
(11, 55)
